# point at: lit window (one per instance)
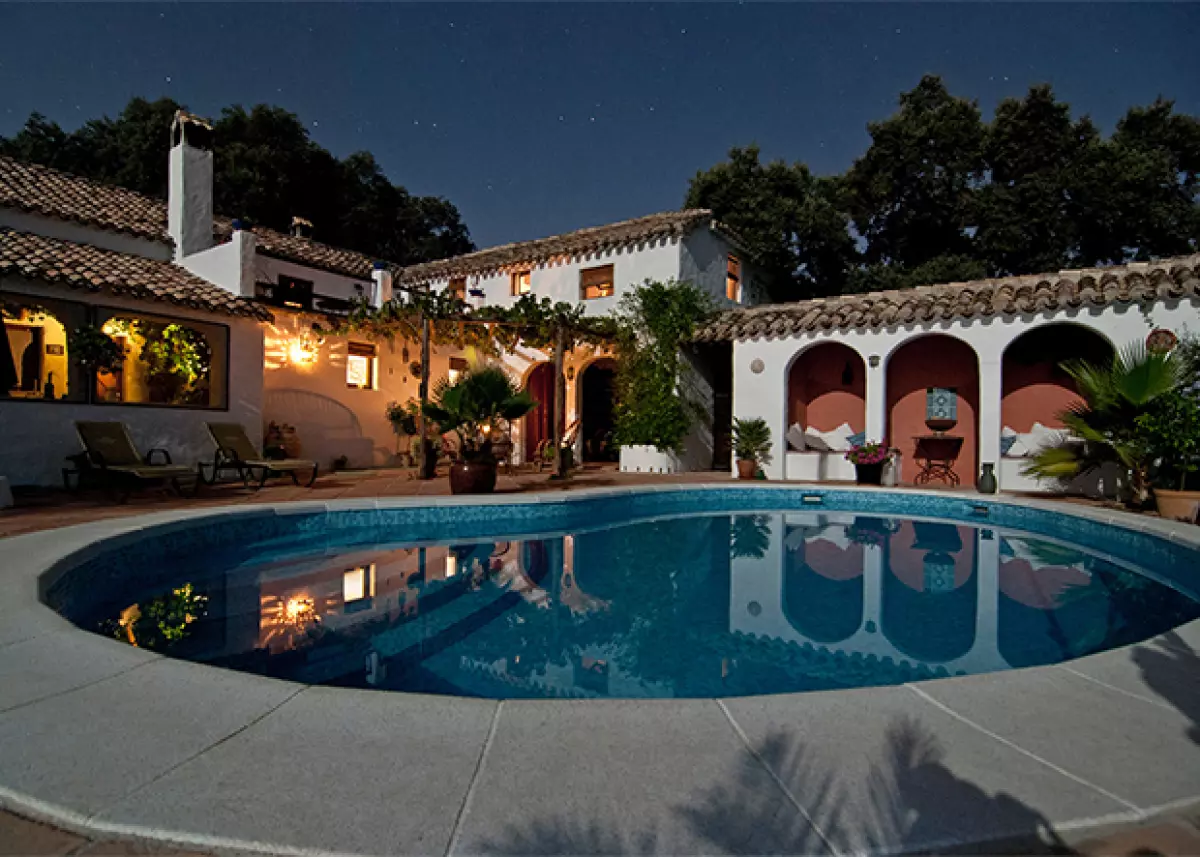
(167, 362)
(458, 287)
(360, 366)
(733, 278)
(457, 366)
(358, 585)
(520, 282)
(34, 351)
(596, 282)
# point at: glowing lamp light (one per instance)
(451, 565)
(300, 352)
(299, 609)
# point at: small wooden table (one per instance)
(936, 454)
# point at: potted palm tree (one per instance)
(477, 408)
(752, 445)
(1103, 426)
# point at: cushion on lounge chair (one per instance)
(155, 471)
(111, 441)
(232, 437)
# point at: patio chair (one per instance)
(236, 452)
(543, 456)
(114, 463)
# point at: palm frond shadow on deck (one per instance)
(916, 803)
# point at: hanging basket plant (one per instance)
(95, 350)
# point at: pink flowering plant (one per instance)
(871, 452)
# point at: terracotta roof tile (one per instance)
(1137, 282)
(41, 190)
(303, 251)
(52, 193)
(82, 266)
(593, 239)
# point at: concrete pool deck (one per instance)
(106, 739)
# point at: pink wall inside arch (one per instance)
(818, 398)
(1034, 387)
(1034, 394)
(932, 361)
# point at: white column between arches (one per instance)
(991, 393)
(876, 400)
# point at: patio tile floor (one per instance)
(1174, 833)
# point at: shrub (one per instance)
(654, 322)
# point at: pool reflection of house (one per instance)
(938, 597)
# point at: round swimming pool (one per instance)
(676, 593)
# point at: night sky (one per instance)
(536, 119)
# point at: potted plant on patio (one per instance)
(869, 459)
(1170, 431)
(751, 445)
(476, 408)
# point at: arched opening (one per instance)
(823, 584)
(596, 387)
(537, 425)
(1050, 608)
(930, 591)
(827, 389)
(1035, 387)
(931, 376)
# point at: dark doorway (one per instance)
(538, 428)
(596, 407)
(717, 359)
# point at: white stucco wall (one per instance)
(703, 255)
(559, 281)
(230, 265)
(311, 394)
(65, 230)
(38, 435)
(764, 394)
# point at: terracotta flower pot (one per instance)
(472, 477)
(1177, 505)
(747, 467)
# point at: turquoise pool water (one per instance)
(684, 604)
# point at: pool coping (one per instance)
(171, 766)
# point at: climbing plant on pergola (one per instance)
(443, 318)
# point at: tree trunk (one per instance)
(560, 394)
(423, 393)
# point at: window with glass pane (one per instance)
(360, 366)
(35, 359)
(596, 282)
(168, 362)
(521, 282)
(458, 287)
(733, 278)
(457, 366)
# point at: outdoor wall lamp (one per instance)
(874, 361)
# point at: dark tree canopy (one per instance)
(942, 196)
(910, 193)
(267, 170)
(788, 218)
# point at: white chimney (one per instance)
(382, 292)
(190, 193)
(245, 242)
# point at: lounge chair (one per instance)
(115, 464)
(236, 452)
